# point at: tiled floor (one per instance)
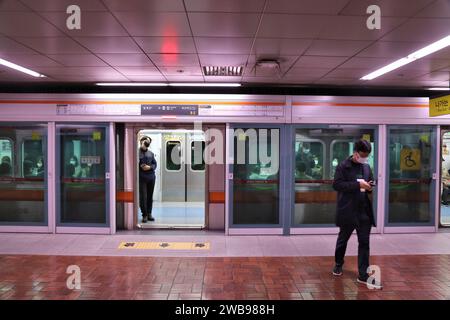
(44, 277)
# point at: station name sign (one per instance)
(439, 106)
(169, 109)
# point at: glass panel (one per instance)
(256, 176)
(82, 175)
(22, 175)
(318, 151)
(173, 155)
(445, 178)
(197, 147)
(410, 161)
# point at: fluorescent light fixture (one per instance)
(132, 84)
(435, 46)
(440, 89)
(203, 84)
(20, 68)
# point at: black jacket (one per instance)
(147, 158)
(349, 195)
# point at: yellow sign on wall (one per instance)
(439, 106)
(410, 159)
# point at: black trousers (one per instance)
(146, 196)
(363, 232)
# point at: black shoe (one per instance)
(337, 270)
(373, 285)
(151, 218)
(144, 219)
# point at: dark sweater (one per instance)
(148, 158)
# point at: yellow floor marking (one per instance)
(165, 245)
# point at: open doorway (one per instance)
(179, 190)
(444, 219)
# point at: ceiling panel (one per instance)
(181, 71)
(78, 60)
(390, 49)
(291, 26)
(260, 80)
(109, 44)
(126, 59)
(306, 6)
(30, 60)
(162, 24)
(354, 28)
(436, 76)
(223, 24)
(11, 46)
(222, 79)
(319, 62)
(26, 24)
(93, 23)
(166, 44)
(285, 62)
(225, 6)
(367, 63)
(145, 5)
(422, 30)
(336, 48)
(147, 78)
(185, 78)
(174, 60)
(223, 45)
(307, 72)
(223, 59)
(62, 5)
(78, 71)
(12, 5)
(138, 71)
(279, 47)
(389, 8)
(56, 45)
(438, 9)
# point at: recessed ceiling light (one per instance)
(203, 84)
(132, 84)
(435, 46)
(20, 68)
(440, 89)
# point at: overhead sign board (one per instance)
(439, 106)
(169, 109)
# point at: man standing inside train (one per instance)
(147, 167)
(353, 180)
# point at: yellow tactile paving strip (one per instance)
(165, 245)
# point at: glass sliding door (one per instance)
(318, 150)
(83, 172)
(23, 175)
(255, 187)
(411, 164)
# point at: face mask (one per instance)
(363, 160)
(316, 162)
(39, 165)
(305, 150)
(72, 162)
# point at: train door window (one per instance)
(173, 155)
(197, 158)
(411, 161)
(6, 158)
(23, 197)
(445, 179)
(256, 177)
(320, 149)
(82, 167)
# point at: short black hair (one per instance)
(146, 138)
(362, 146)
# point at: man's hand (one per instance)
(146, 167)
(365, 185)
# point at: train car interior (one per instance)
(445, 178)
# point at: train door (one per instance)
(179, 192)
(444, 217)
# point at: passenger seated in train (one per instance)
(40, 167)
(73, 169)
(445, 186)
(28, 166)
(301, 171)
(5, 167)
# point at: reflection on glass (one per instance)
(82, 175)
(410, 162)
(256, 180)
(22, 183)
(318, 151)
(197, 152)
(173, 155)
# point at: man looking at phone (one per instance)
(147, 167)
(353, 180)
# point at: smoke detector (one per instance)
(267, 67)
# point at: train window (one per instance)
(197, 152)
(342, 149)
(173, 155)
(33, 159)
(6, 158)
(309, 158)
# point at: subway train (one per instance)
(71, 165)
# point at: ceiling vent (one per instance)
(231, 71)
(267, 67)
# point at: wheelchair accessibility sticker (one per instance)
(410, 159)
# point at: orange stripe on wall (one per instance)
(216, 197)
(359, 105)
(144, 102)
(125, 196)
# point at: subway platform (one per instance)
(33, 266)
